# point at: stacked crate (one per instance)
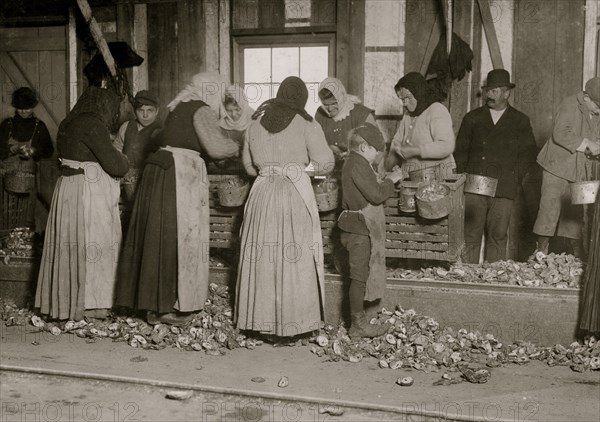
(410, 236)
(407, 235)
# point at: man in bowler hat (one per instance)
(495, 140)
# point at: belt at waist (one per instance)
(69, 171)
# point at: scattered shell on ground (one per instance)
(283, 382)
(179, 395)
(405, 382)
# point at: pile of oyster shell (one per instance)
(541, 270)
(417, 341)
(412, 341)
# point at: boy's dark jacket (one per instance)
(360, 187)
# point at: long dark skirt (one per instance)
(590, 299)
(148, 267)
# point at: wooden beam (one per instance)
(590, 40)
(224, 20)
(140, 45)
(434, 38)
(72, 59)
(343, 41)
(125, 24)
(15, 74)
(96, 32)
(356, 77)
(211, 35)
(476, 78)
(490, 34)
(191, 39)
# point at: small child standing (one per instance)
(137, 139)
(362, 223)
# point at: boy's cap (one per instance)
(145, 97)
(372, 135)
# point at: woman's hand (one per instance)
(407, 151)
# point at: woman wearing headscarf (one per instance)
(280, 285)
(164, 265)
(78, 267)
(236, 116)
(425, 138)
(339, 113)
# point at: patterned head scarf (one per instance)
(206, 86)
(102, 102)
(345, 101)
(279, 112)
(226, 122)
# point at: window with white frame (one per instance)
(261, 63)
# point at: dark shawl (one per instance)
(420, 89)
(279, 112)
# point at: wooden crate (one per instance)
(224, 222)
(408, 235)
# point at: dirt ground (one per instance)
(531, 392)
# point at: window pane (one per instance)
(314, 63)
(285, 63)
(257, 65)
(257, 94)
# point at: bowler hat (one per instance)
(372, 135)
(145, 97)
(498, 78)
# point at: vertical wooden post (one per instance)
(140, 43)
(191, 39)
(125, 26)
(72, 59)
(224, 39)
(590, 40)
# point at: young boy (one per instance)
(136, 139)
(362, 223)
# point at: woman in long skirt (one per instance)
(164, 264)
(78, 268)
(280, 285)
(590, 299)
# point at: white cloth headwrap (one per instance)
(226, 122)
(206, 86)
(345, 101)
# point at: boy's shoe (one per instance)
(362, 328)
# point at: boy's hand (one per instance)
(395, 176)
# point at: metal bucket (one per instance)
(433, 209)
(429, 174)
(406, 202)
(481, 185)
(584, 192)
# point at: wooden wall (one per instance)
(548, 63)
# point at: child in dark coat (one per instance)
(362, 223)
